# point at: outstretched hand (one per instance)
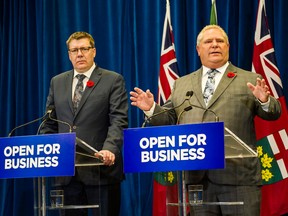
(143, 100)
(260, 90)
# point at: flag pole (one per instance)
(180, 174)
(213, 14)
(166, 189)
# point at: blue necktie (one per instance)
(78, 91)
(210, 85)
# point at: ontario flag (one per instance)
(271, 135)
(165, 183)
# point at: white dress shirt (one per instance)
(75, 80)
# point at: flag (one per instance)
(168, 71)
(272, 144)
(165, 183)
(213, 15)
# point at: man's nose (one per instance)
(214, 43)
(79, 53)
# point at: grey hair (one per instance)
(200, 35)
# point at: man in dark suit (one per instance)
(96, 107)
(236, 101)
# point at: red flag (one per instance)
(165, 183)
(271, 135)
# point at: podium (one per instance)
(84, 157)
(234, 148)
(43, 185)
(44, 157)
(203, 136)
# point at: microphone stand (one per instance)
(59, 121)
(186, 109)
(23, 125)
(188, 96)
(182, 177)
(181, 174)
(80, 142)
(159, 113)
(209, 110)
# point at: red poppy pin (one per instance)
(90, 83)
(231, 74)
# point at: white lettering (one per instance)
(24, 163)
(48, 149)
(23, 150)
(173, 155)
(159, 142)
(192, 139)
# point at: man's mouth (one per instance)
(80, 62)
(215, 53)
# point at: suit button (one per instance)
(74, 127)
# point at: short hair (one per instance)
(200, 35)
(79, 35)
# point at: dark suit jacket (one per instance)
(235, 105)
(99, 120)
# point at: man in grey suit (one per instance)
(95, 106)
(236, 101)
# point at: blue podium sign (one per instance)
(174, 148)
(37, 156)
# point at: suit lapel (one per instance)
(69, 81)
(197, 86)
(95, 78)
(224, 83)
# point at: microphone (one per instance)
(81, 143)
(60, 121)
(188, 96)
(30, 122)
(209, 110)
(50, 110)
(186, 109)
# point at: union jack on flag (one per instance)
(271, 135)
(264, 61)
(168, 71)
(275, 164)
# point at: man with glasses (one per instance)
(94, 102)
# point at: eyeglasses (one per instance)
(83, 50)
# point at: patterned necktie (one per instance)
(78, 91)
(210, 85)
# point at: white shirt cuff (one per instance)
(265, 106)
(151, 111)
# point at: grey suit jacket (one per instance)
(235, 105)
(99, 120)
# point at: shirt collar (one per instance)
(221, 69)
(87, 73)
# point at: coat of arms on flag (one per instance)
(272, 136)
